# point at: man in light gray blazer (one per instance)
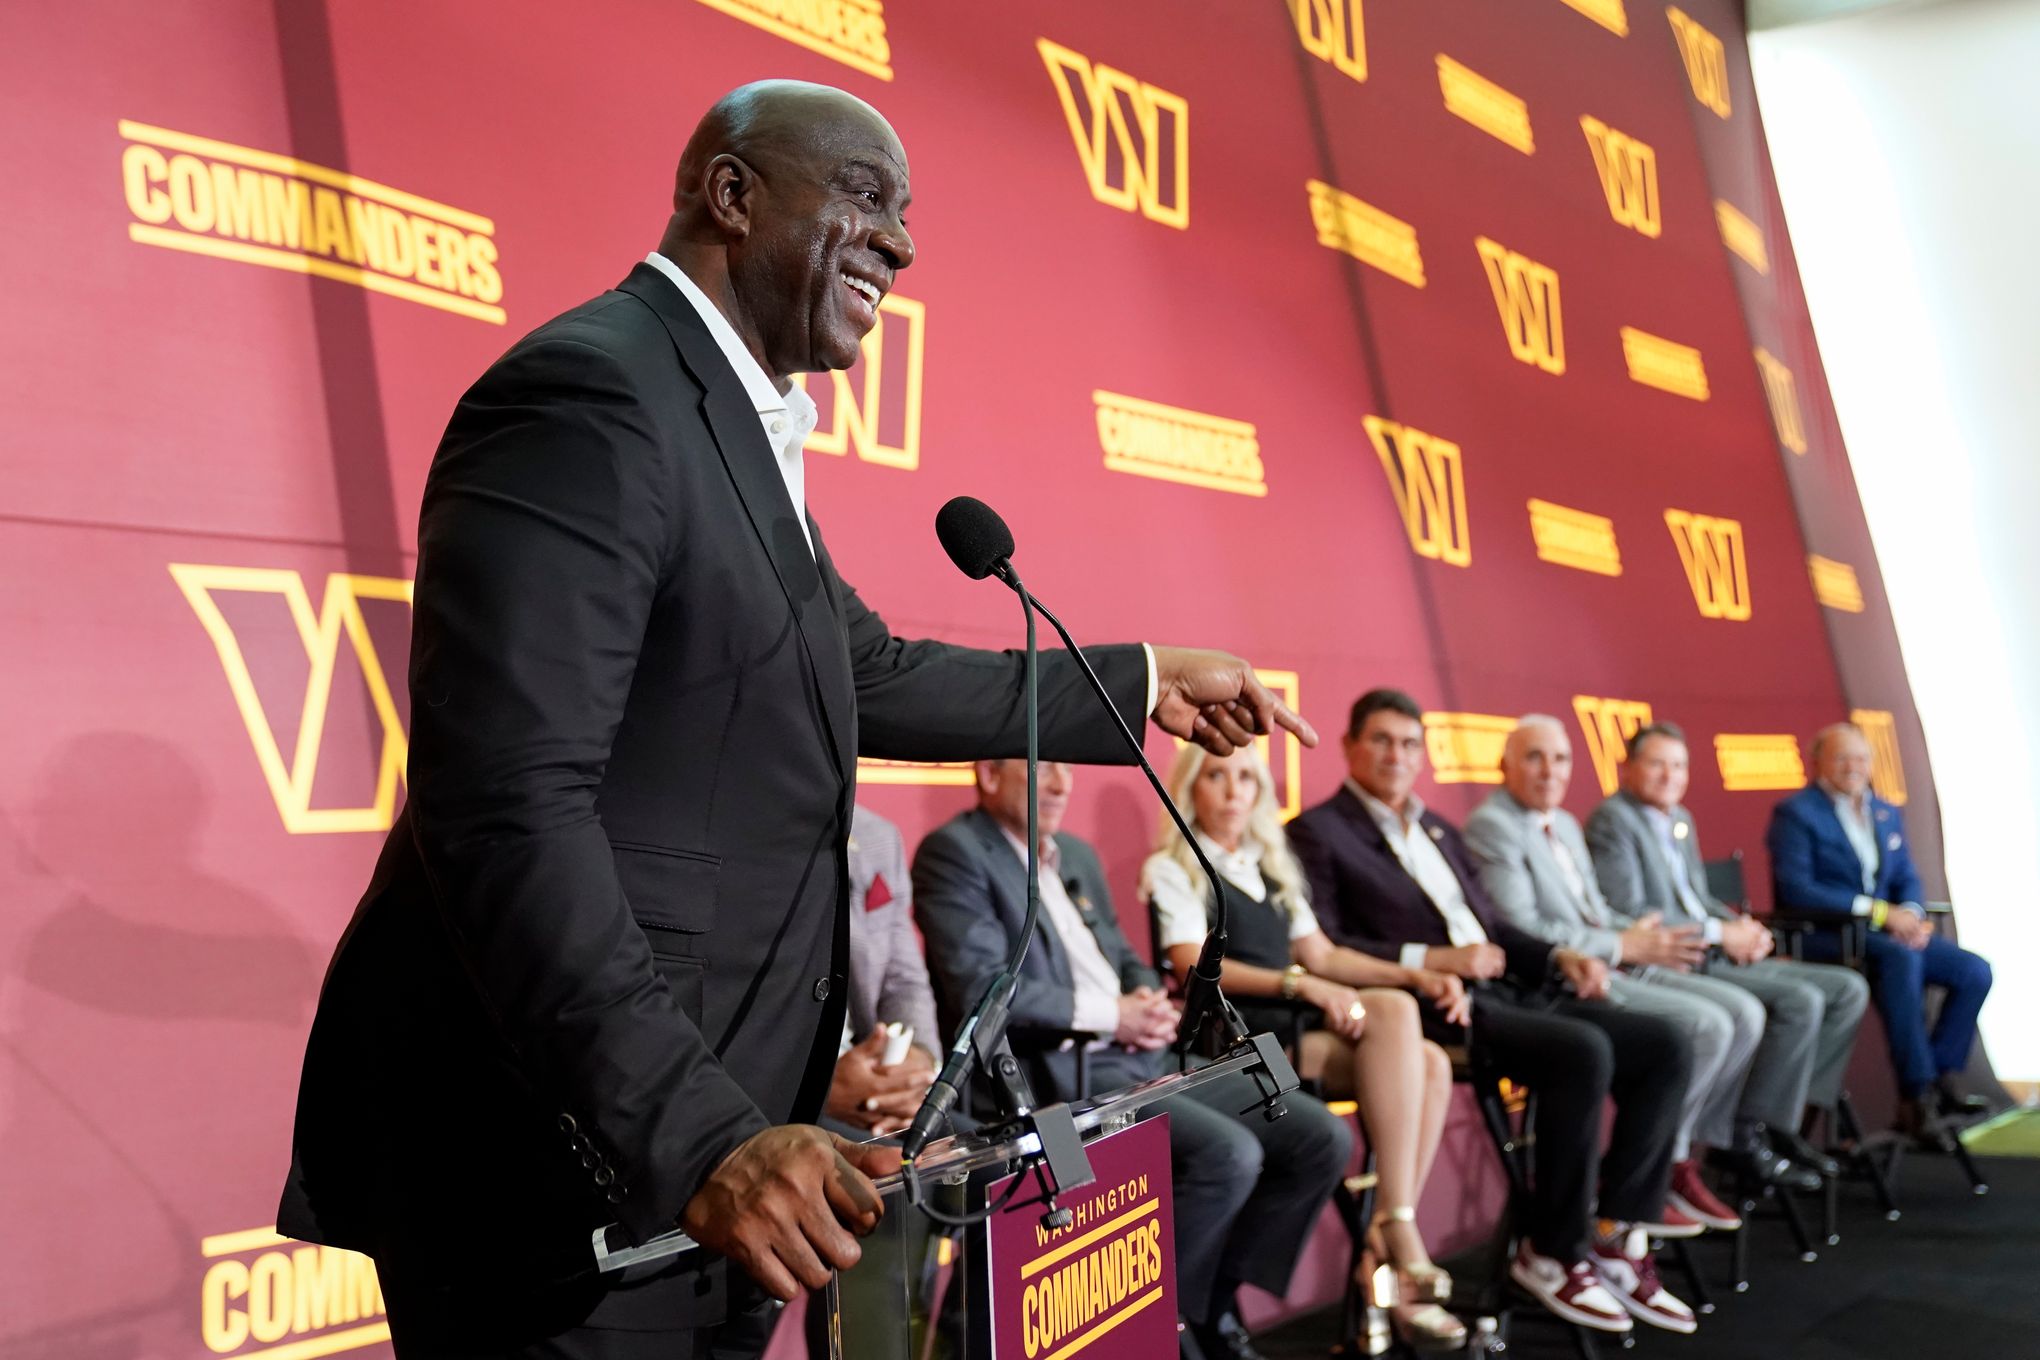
(1647, 856)
(1536, 866)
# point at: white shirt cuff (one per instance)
(1098, 1014)
(1154, 689)
(1615, 952)
(1916, 909)
(1413, 955)
(1864, 905)
(1710, 930)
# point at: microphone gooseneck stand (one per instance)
(981, 1042)
(979, 543)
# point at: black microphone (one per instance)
(974, 536)
(981, 545)
(979, 542)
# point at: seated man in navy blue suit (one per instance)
(1839, 851)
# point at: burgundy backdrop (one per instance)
(1277, 357)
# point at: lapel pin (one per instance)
(1680, 830)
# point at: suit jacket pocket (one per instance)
(671, 894)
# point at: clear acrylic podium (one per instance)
(921, 1288)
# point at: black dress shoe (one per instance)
(1918, 1120)
(1804, 1153)
(1755, 1160)
(1225, 1339)
(1960, 1104)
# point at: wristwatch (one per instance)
(1292, 980)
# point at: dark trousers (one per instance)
(1246, 1192)
(1575, 1055)
(1898, 979)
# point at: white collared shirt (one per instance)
(790, 418)
(1095, 1006)
(1423, 861)
(1854, 815)
(1181, 914)
(1670, 831)
(1568, 867)
(787, 419)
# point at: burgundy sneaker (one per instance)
(1673, 1223)
(1691, 1197)
(1629, 1273)
(1573, 1292)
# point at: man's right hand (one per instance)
(867, 1094)
(1907, 926)
(1446, 992)
(780, 1203)
(1651, 941)
(1147, 1019)
(1474, 962)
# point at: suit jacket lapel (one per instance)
(733, 423)
(1009, 872)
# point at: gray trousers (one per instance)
(1722, 1023)
(1811, 1011)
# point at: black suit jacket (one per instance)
(970, 899)
(606, 940)
(1366, 900)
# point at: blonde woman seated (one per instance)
(1371, 1046)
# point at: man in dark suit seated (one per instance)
(1838, 852)
(1394, 879)
(1247, 1191)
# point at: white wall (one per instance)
(1907, 146)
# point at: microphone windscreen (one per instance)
(973, 535)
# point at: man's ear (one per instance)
(728, 191)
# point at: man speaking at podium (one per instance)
(598, 976)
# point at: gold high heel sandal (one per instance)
(1419, 1290)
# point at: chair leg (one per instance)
(1830, 1201)
(1702, 1300)
(1977, 1184)
(1739, 1253)
(1881, 1176)
(1790, 1208)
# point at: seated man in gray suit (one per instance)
(1535, 865)
(1247, 1191)
(1647, 857)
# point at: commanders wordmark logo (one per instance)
(205, 197)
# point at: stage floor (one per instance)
(1958, 1275)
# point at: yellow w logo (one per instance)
(1429, 485)
(1706, 60)
(1628, 170)
(1711, 550)
(1133, 137)
(1887, 770)
(1330, 30)
(340, 612)
(1526, 295)
(1607, 725)
(874, 406)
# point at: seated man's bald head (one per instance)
(767, 121)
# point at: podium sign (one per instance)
(1109, 1276)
